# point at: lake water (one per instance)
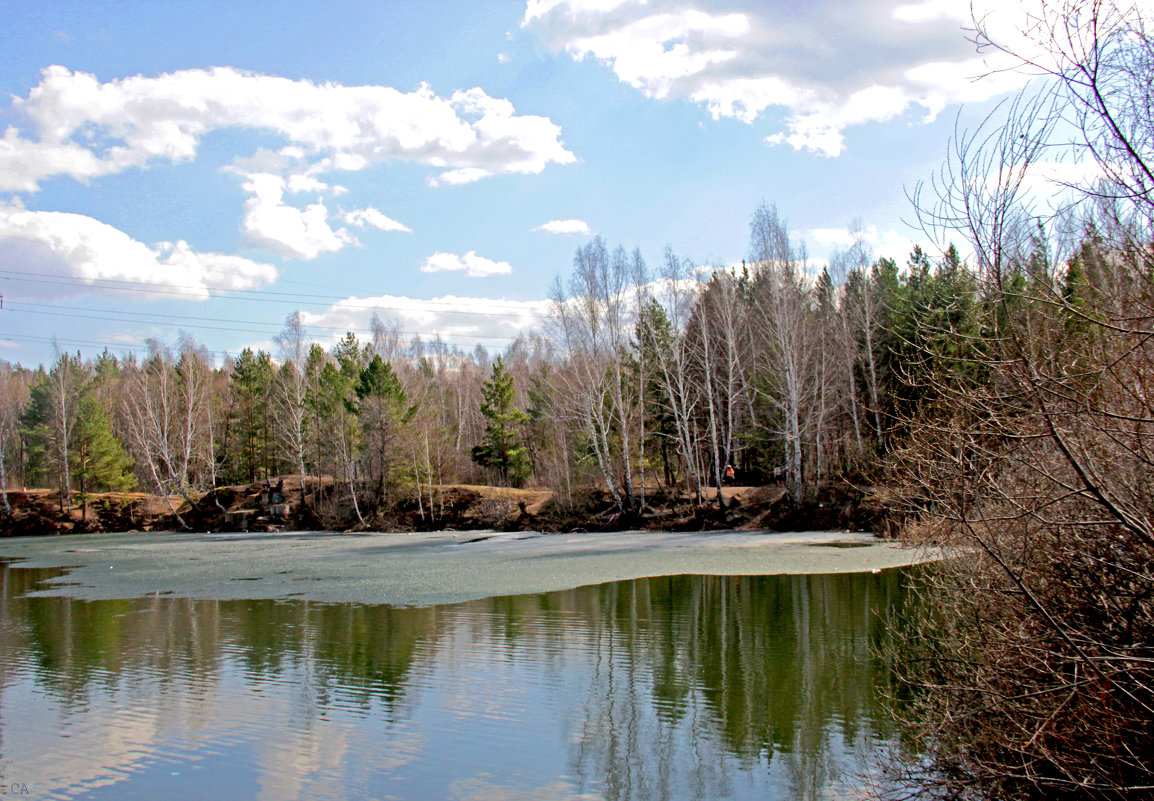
(701, 687)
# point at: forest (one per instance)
(645, 380)
(997, 397)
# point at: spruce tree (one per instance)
(98, 459)
(384, 411)
(250, 419)
(503, 447)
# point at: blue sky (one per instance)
(213, 167)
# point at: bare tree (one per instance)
(65, 380)
(592, 321)
(863, 306)
(388, 341)
(620, 312)
(167, 413)
(1038, 477)
(1098, 59)
(780, 297)
(292, 392)
(678, 295)
(721, 327)
(639, 275)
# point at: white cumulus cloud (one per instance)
(85, 127)
(465, 175)
(931, 10)
(74, 125)
(51, 243)
(535, 9)
(655, 51)
(373, 218)
(748, 57)
(888, 243)
(565, 227)
(471, 264)
(298, 233)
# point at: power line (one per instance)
(67, 342)
(114, 346)
(270, 328)
(262, 295)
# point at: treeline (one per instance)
(645, 379)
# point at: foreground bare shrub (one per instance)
(1032, 664)
(1033, 667)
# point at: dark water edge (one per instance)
(675, 687)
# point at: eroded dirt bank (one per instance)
(280, 506)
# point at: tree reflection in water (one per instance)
(675, 687)
(774, 671)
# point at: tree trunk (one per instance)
(4, 484)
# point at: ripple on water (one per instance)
(678, 687)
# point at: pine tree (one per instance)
(503, 447)
(47, 424)
(98, 459)
(250, 418)
(384, 411)
(654, 335)
(35, 434)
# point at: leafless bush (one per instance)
(1034, 662)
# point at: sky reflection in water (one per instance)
(683, 687)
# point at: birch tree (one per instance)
(865, 310)
(592, 321)
(677, 297)
(291, 393)
(168, 419)
(779, 296)
(720, 323)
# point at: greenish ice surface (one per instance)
(426, 568)
(665, 687)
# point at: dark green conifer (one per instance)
(503, 447)
(98, 459)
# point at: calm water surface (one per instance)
(666, 688)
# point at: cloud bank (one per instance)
(878, 243)
(460, 320)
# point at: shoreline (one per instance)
(458, 507)
(425, 569)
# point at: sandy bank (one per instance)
(424, 569)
